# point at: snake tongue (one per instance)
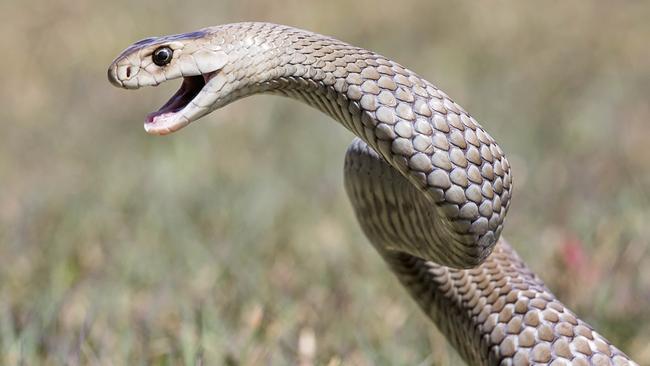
(189, 89)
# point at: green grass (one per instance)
(232, 242)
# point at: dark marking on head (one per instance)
(192, 35)
(144, 41)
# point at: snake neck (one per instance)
(301, 65)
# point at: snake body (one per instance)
(429, 185)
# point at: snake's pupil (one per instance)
(162, 56)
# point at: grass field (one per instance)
(232, 242)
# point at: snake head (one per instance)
(152, 61)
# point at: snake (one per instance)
(429, 186)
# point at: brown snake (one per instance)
(429, 186)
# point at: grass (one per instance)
(233, 243)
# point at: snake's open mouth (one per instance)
(169, 117)
(189, 89)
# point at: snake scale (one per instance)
(430, 187)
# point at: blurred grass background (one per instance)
(121, 248)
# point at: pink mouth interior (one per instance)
(190, 88)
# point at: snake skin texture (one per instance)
(430, 186)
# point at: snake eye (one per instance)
(162, 56)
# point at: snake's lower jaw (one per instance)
(165, 124)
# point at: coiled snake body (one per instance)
(429, 186)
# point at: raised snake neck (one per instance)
(429, 186)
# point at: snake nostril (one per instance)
(128, 72)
